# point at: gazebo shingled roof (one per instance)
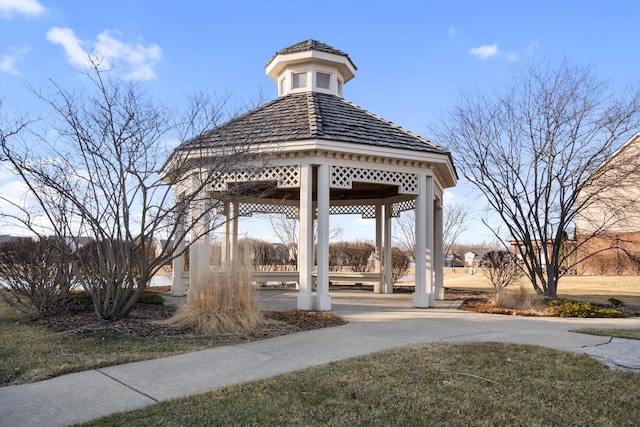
(312, 115)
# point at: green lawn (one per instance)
(486, 384)
(30, 352)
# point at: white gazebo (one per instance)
(328, 156)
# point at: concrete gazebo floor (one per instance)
(343, 301)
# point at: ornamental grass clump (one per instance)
(226, 304)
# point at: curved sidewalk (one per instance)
(376, 322)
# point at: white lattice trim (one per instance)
(367, 211)
(285, 176)
(292, 212)
(343, 177)
(248, 209)
(407, 205)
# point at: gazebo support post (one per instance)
(388, 280)
(233, 252)
(199, 249)
(177, 286)
(424, 243)
(226, 234)
(377, 256)
(437, 249)
(323, 300)
(305, 240)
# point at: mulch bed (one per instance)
(482, 305)
(77, 316)
(144, 320)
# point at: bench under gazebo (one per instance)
(327, 156)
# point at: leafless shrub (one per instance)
(265, 256)
(111, 272)
(358, 255)
(399, 264)
(609, 263)
(501, 269)
(37, 274)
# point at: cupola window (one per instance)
(323, 80)
(299, 80)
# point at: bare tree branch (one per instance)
(454, 223)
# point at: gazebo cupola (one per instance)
(310, 66)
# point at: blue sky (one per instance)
(413, 57)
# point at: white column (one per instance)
(177, 287)
(388, 282)
(233, 252)
(424, 242)
(305, 238)
(205, 262)
(199, 249)
(194, 250)
(377, 256)
(226, 235)
(437, 250)
(323, 300)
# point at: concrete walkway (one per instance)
(376, 322)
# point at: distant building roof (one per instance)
(312, 115)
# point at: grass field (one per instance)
(597, 289)
(444, 384)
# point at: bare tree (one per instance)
(454, 223)
(286, 230)
(92, 171)
(530, 151)
(405, 231)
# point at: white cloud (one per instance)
(9, 8)
(139, 58)
(73, 46)
(135, 61)
(485, 51)
(451, 31)
(8, 63)
(513, 56)
(449, 198)
(9, 60)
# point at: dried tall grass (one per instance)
(518, 299)
(225, 305)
